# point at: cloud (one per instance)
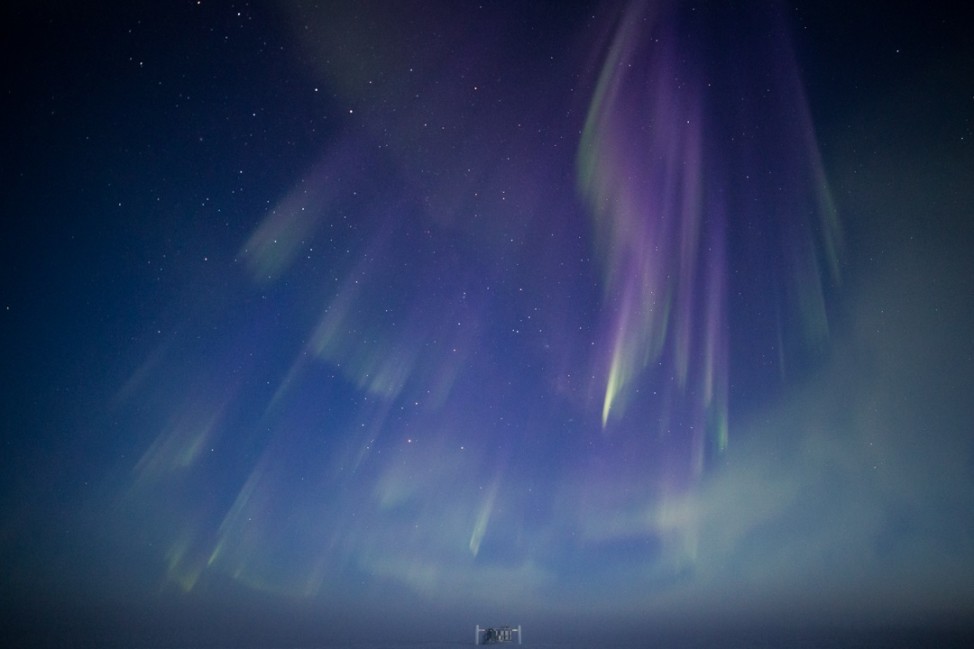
(851, 498)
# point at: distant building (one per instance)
(495, 635)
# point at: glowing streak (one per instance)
(182, 444)
(643, 186)
(289, 225)
(483, 518)
(662, 181)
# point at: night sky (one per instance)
(333, 321)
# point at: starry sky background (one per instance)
(366, 318)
